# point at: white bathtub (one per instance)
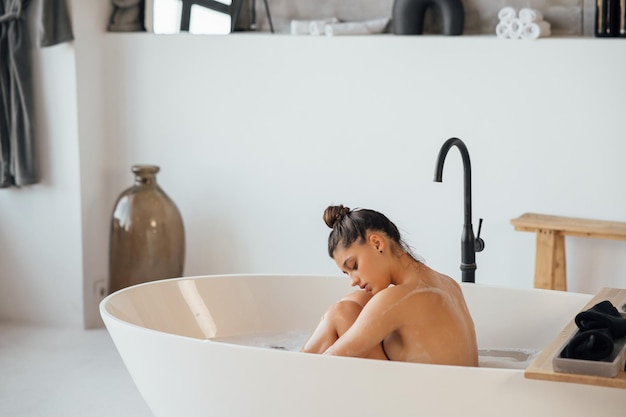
(161, 330)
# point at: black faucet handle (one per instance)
(479, 244)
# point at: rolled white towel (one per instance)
(532, 31)
(527, 15)
(503, 29)
(300, 27)
(516, 27)
(507, 13)
(316, 27)
(366, 27)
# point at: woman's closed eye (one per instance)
(349, 264)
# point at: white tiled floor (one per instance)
(58, 372)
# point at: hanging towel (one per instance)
(54, 23)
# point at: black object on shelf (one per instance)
(609, 18)
(408, 16)
(622, 19)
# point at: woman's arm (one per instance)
(335, 322)
(379, 318)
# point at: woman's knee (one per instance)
(343, 314)
(360, 297)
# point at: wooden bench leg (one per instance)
(550, 260)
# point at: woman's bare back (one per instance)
(433, 322)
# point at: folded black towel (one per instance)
(591, 345)
(603, 315)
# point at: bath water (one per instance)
(507, 358)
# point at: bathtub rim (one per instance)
(112, 319)
(104, 312)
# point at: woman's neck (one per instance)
(406, 267)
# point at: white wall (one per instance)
(256, 134)
(90, 22)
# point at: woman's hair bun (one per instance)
(335, 214)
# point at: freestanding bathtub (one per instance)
(227, 346)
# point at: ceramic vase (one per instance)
(408, 16)
(147, 239)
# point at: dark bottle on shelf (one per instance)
(609, 15)
(622, 18)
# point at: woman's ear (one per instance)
(378, 241)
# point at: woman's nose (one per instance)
(353, 280)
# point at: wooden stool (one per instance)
(550, 250)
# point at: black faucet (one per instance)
(469, 244)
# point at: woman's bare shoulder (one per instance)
(417, 297)
(399, 296)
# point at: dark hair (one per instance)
(352, 225)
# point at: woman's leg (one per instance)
(337, 320)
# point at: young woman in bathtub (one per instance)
(404, 310)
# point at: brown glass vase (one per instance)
(147, 240)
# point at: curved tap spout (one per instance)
(469, 244)
(467, 173)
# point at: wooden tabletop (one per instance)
(531, 222)
(541, 367)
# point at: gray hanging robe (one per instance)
(17, 158)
